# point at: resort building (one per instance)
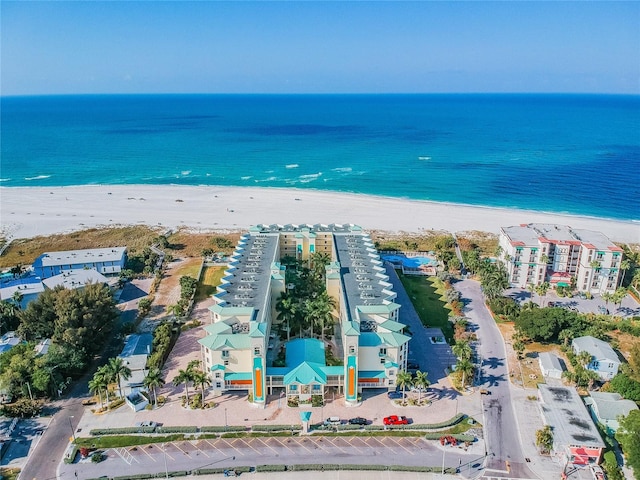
(604, 360)
(74, 279)
(583, 259)
(21, 291)
(575, 437)
(242, 345)
(607, 408)
(107, 261)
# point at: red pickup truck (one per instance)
(395, 420)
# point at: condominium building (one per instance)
(107, 261)
(536, 253)
(242, 350)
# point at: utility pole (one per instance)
(73, 433)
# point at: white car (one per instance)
(597, 472)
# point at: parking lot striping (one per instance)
(233, 445)
(334, 445)
(230, 445)
(178, 447)
(265, 444)
(144, 450)
(193, 442)
(400, 441)
(304, 440)
(250, 443)
(164, 450)
(286, 444)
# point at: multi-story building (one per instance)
(242, 345)
(104, 260)
(536, 253)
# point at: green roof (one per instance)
(304, 350)
(394, 339)
(384, 308)
(217, 328)
(306, 373)
(257, 329)
(391, 365)
(348, 328)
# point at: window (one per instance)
(352, 349)
(383, 351)
(383, 361)
(225, 354)
(217, 374)
(611, 365)
(256, 351)
(218, 385)
(226, 362)
(392, 372)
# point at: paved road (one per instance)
(68, 411)
(219, 453)
(500, 428)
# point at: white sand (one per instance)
(32, 211)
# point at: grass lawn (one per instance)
(115, 441)
(426, 299)
(9, 473)
(211, 277)
(190, 267)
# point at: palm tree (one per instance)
(118, 370)
(421, 382)
(532, 288)
(201, 379)
(542, 290)
(404, 380)
(152, 381)
(624, 266)
(322, 311)
(319, 261)
(466, 367)
(287, 308)
(104, 376)
(96, 385)
(584, 358)
(606, 296)
(17, 299)
(462, 350)
(185, 376)
(544, 439)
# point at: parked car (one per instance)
(395, 420)
(597, 473)
(603, 310)
(358, 421)
(413, 366)
(333, 421)
(484, 391)
(147, 424)
(394, 394)
(418, 389)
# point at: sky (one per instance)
(90, 47)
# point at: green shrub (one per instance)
(177, 429)
(611, 466)
(270, 468)
(276, 428)
(222, 428)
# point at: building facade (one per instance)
(107, 261)
(242, 346)
(583, 259)
(604, 360)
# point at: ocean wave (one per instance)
(292, 165)
(424, 158)
(342, 169)
(310, 176)
(247, 177)
(270, 179)
(185, 172)
(39, 177)
(4, 179)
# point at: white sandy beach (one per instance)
(32, 211)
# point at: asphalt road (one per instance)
(504, 449)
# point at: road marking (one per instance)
(147, 453)
(400, 442)
(304, 440)
(194, 443)
(334, 445)
(164, 450)
(286, 444)
(258, 439)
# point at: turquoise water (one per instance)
(413, 262)
(577, 154)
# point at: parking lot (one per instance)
(223, 453)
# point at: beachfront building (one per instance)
(134, 355)
(607, 408)
(74, 279)
(565, 257)
(107, 261)
(604, 360)
(21, 291)
(575, 437)
(242, 344)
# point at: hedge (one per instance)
(177, 430)
(271, 468)
(222, 429)
(121, 430)
(276, 428)
(458, 436)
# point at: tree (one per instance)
(542, 290)
(319, 261)
(466, 368)
(619, 295)
(421, 382)
(462, 350)
(518, 347)
(9, 319)
(287, 308)
(117, 370)
(624, 266)
(544, 439)
(202, 380)
(103, 376)
(96, 385)
(629, 437)
(185, 376)
(404, 380)
(152, 381)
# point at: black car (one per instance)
(394, 394)
(358, 421)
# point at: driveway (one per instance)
(501, 429)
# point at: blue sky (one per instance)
(319, 47)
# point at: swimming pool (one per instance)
(411, 262)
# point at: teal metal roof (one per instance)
(371, 374)
(305, 416)
(278, 371)
(235, 341)
(217, 328)
(383, 308)
(257, 329)
(393, 326)
(304, 350)
(238, 376)
(394, 339)
(390, 365)
(335, 370)
(348, 328)
(217, 367)
(305, 374)
(230, 311)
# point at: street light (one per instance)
(225, 419)
(73, 433)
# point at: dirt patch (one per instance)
(168, 292)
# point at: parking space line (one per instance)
(250, 442)
(258, 439)
(400, 441)
(164, 450)
(147, 453)
(304, 440)
(286, 444)
(178, 447)
(232, 445)
(333, 444)
(214, 447)
(194, 443)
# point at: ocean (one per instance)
(576, 154)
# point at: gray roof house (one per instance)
(604, 360)
(607, 407)
(550, 365)
(134, 355)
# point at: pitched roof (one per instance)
(611, 405)
(306, 373)
(550, 362)
(597, 348)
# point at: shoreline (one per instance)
(27, 212)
